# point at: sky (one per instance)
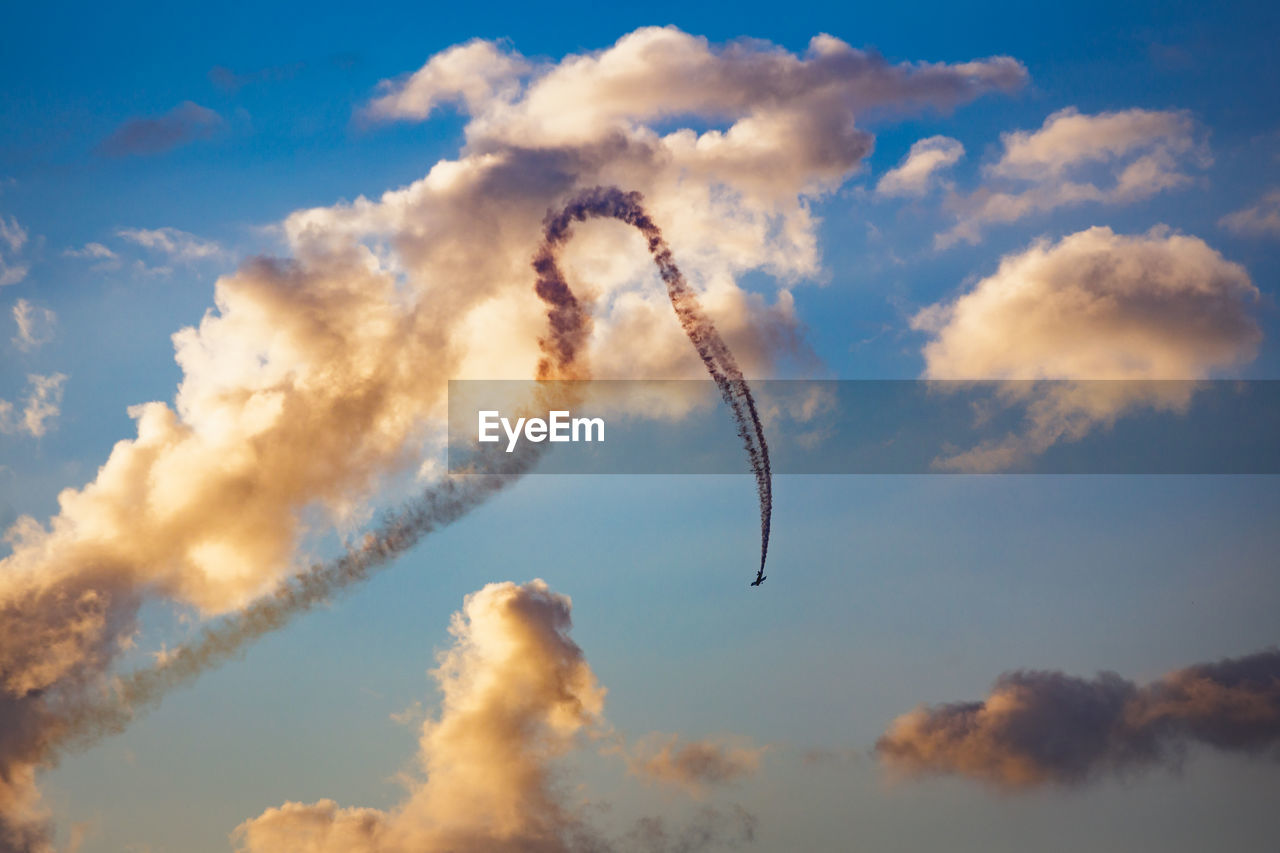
(242, 251)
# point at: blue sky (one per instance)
(884, 592)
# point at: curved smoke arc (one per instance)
(569, 327)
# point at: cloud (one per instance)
(1095, 305)
(517, 695)
(1039, 728)
(35, 325)
(105, 257)
(1107, 158)
(172, 245)
(775, 100)
(185, 123)
(14, 237)
(473, 74)
(693, 765)
(1262, 219)
(321, 376)
(42, 405)
(918, 171)
(176, 245)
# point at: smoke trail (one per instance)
(439, 506)
(569, 329)
(569, 323)
(62, 718)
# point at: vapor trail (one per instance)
(569, 328)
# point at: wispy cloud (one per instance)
(162, 247)
(1261, 219)
(35, 325)
(694, 765)
(176, 245)
(14, 237)
(92, 251)
(919, 170)
(41, 406)
(1075, 158)
(185, 123)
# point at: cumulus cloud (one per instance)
(473, 74)
(773, 99)
(35, 325)
(518, 694)
(1038, 728)
(13, 237)
(1261, 219)
(41, 406)
(918, 171)
(321, 375)
(1095, 305)
(185, 123)
(1107, 158)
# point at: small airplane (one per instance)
(760, 576)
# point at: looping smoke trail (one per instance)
(68, 723)
(569, 327)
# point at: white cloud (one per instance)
(35, 325)
(1261, 219)
(41, 405)
(1074, 158)
(474, 74)
(918, 171)
(14, 237)
(177, 245)
(102, 256)
(1095, 305)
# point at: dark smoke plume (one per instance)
(1039, 728)
(568, 328)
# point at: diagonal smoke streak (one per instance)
(438, 507)
(84, 723)
(569, 330)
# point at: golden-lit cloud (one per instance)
(918, 171)
(1094, 305)
(1040, 728)
(517, 696)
